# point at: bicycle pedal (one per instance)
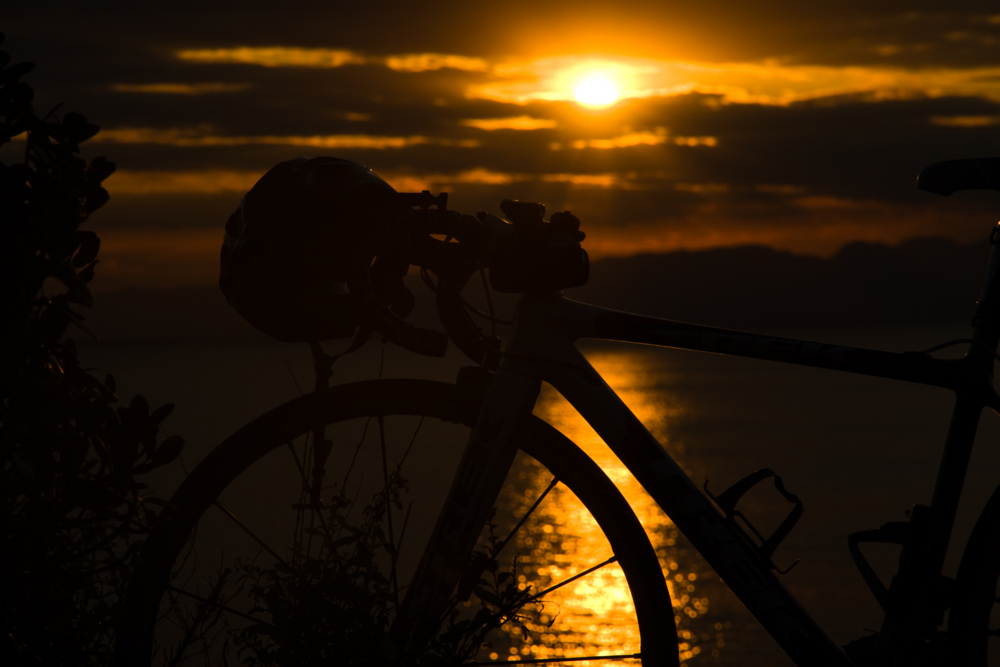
(728, 499)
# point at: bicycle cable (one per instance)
(425, 275)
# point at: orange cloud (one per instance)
(625, 140)
(203, 137)
(414, 182)
(771, 82)
(696, 141)
(273, 56)
(965, 121)
(590, 180)
(422, 62)
(216, 181)
(512, 123)
(702, 188)
(290, 56)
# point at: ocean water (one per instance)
(858, 451)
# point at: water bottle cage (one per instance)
(765, 547)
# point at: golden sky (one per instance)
(662, 125)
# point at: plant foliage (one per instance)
(72, 511)
(333, 599)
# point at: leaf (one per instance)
(168, 450)
(161, 413)
(109, 382)
(77, 129)
(15, 72)
(487, 596)
(100, 168)
(87, 274)
(88, 243)
(139, 407)
(78, 292)
(96, 199)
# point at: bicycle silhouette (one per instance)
(928, 618)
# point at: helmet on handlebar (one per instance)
(307, 255)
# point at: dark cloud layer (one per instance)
(798, 126)
(844, 32)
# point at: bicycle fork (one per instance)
(488, 457)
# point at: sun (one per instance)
(596, 90)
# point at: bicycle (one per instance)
(495, 399)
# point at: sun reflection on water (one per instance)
(595, 615)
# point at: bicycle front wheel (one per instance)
(566, 570)
(974, 618)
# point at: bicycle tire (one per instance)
(975, 595)
(388, 397)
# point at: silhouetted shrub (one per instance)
(72, 514)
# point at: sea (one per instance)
(858, 451)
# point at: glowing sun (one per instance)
(596, 90)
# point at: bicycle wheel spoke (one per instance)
(219, 606)
(574, 578)
(530, 661)
(527, 515)
(406, 520)
(388, 510)
(253, 535)
(357, 450)
(388, 477)
(298, 464)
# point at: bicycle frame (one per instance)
(542, 348)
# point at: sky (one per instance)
(662, 125)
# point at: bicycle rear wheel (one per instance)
(974, 618)
(383, 422)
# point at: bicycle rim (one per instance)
(974, 618)
(240, 497)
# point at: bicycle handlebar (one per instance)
(525, 254)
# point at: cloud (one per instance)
(555, 79)
(784, 189)
(179, 88)
(626, 140)
(291, 56)
(423, 62)
(273, 56)
(158, 258)
(588, 180)
(215, 181)
(965, 121)
(769, 82)
(481, 176)
(203, 137)
(703, 188)
(512, 123)
(176, 182)
(696, 141)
